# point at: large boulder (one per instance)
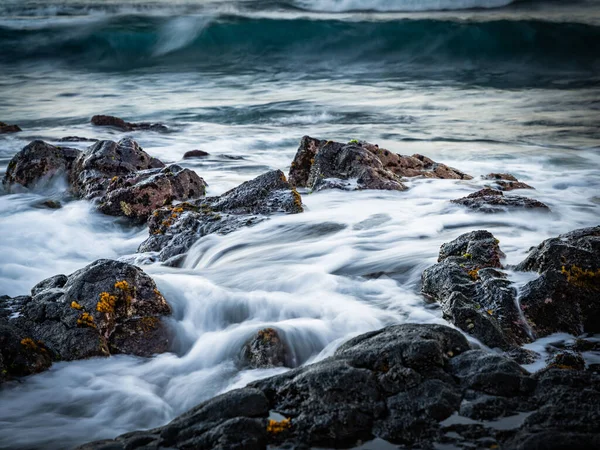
(473, 293)
(94, 169)
(173, 229)
(39, 163)
(566, 295)
(138, 194)
(105, 308)
(418, 386)
(120, 124)
(320, 164)
(493, 201)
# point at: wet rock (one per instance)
(20, 355)
(94, 169)
(6, 128)
(76, 139)
(48, 204)
(38, 164)
(138, 194)
(322, 164)
(565, 297)
(505, 182)
(493, 201)
(266, 349)
(174, 229)
(195, 154)
(411, 385)
(567, 360)
(117, 122)
(473, 294)
(105, 308)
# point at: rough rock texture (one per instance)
(493, 201)
(419, 386)
(138, 194)
(116, 122)
(473, 294)
(266, 349)
(505, 182)
(322, 164)
(38, 163)
(6, 128)
(105, 308)
(77, 139)
(174, 229)
(195, 154)
(566, 296)
(95, 168)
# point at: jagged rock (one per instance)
(505, 182)
(412, 385)
(266, 349)
(95, 168)
(493, 201)
(138, 194)
(117, 122)
(359, 165)
(6, 128)
(105, 308)
(566, 295)
(195, 154)
(473, 294)
(19, 354)
(76, 139)
(39, 163)
(174, 229)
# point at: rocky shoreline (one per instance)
(418, 386)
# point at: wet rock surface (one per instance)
(266, 349)
(174, 229)
(473, 293)
(493, 201)
(77, 139)
(38, 164)
(6, 128)
(321, 164)
(120, 124)
(505, 182)
(138, 194)
(195, 154)
(412, 385)
(106, 308)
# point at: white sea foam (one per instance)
(399, 5)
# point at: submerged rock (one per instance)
(195, 154)
(105, 308)
(492, 201)
(174, 229)
(505, 182)
(6, 128)
(39, 163)
(411, 385)
(473, 294)
(322, 164)
(566, 295)
(117, 122)
(138, 194)
(266, 349)
(77, 139)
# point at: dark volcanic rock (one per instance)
(116, 122)
(39, 163)
(5, 128)
(76, 139)
(412, 385)
(105, 308)
(359, 165)
(266, 349)
(195, 154)
(505, 182)
(493, 201)
(566, 296)
(94, 169)
(138, 194)
(174, 229)
(473, 294)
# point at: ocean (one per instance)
(480, 85)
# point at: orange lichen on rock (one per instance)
(582, 277)
(76, 305)
(107, 303)
(86, 320)
(149, 323)
(29, 343)
(474, 274)
(275, 427)
(123, 285)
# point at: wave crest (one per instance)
(398, 5)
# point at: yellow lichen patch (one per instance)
(148, 323)
(123, 285)
(126, 208)
(490, 312)
(267, 334)
(297, 198)
(29, 344)
(76, 305)
(177, 210)
(582, 277)
(474, 274)
(155, 213)
(166, 223)
(86, 320)
(113, 179)
(107, 303)
(283, 178)
(275, 427)
(468, 256)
